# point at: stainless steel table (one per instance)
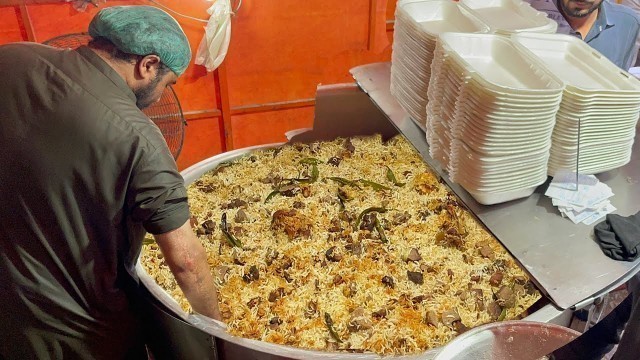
(562, 257)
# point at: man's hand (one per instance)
(188, 262)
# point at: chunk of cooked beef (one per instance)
(425, 183)
(241, 216)
(293, 223)
(414, 255)
(400, 218)
(496, 278)
(234, 204)
(432, 318)
(449, 317)
(359, 321)
(334, 161)
(415, 277)
(333, 254)
(506, 297)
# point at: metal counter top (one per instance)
(562, 257)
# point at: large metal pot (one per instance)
(358, 117)
(232, 347)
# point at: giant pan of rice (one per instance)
(352, 245)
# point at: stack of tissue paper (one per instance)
(586, 204)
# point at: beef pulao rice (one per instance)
(349, 245)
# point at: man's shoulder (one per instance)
(17, 46)
(622, 13)
(19, 52)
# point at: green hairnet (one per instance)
(144, 30)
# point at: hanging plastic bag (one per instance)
(217, 34)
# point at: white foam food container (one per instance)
(504, 151)
(570, 147)
(502, 137)
(518, 172)
(592, 164)
(500, 185)
(504, 180)
(601, 154)
(496, 178)
(604, 117)
(597, 131)
(510, 16)
(482, 90)
(500, 148)
(438, 16)
(571, 137)
(472, 189)
(417, 24)
(506, 163)
(598, 159)
(494, 62)
(490, 198)
(595, 157)
(500, 181)
(471, 186)
(604, 98)
(589, 169)
(509, 101)
(497, 109)
(459, 148)
(584, 70)
(579, 109)
(496, 130)
(485, 124)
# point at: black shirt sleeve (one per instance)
(158, 193)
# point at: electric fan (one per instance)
(166, 113)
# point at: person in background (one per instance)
(84, 175)
(610, 28)
(635, 6)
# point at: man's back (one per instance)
(74, 154)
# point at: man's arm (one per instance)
(187, 260)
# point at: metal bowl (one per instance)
(192, 326)
(522, 340)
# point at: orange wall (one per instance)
(280, 51)
(9, 26)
